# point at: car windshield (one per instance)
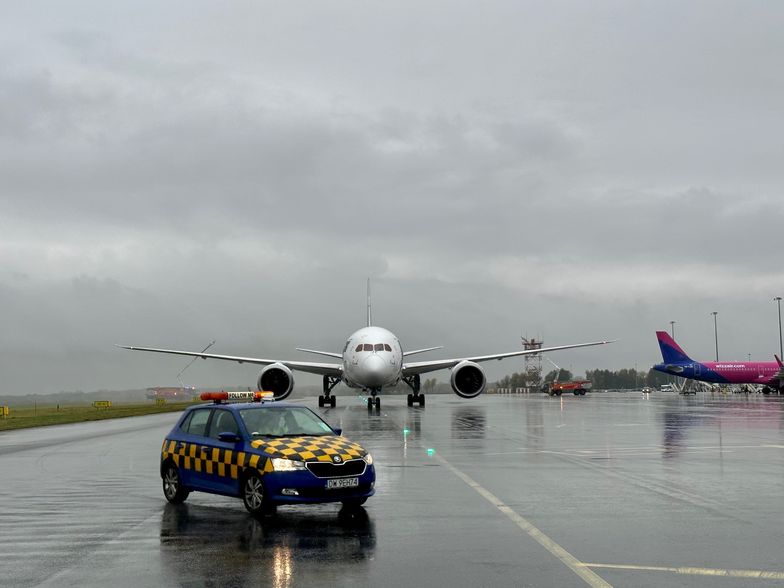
(283, 421)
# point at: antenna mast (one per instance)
(369, 318)
(179, 379)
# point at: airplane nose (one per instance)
(374, 368)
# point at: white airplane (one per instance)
(371, 360)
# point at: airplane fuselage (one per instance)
(372, 359)
(676, 361)
(723, 372)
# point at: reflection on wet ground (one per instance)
(468, 422)
(640, 490)
(244, 551)
(717, 413)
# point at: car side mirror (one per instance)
(227, 437)
(338, 431)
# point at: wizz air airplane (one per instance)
(371, 360)
(675, 361)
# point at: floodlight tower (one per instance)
(533, 361)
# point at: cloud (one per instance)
(570, 172)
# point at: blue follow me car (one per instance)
(267, 454)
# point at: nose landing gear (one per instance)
(374, 401)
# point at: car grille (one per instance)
(324, 469)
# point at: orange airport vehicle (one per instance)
(556, 388)
(578, 387)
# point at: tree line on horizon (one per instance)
(600, 379)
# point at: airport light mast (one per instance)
(672, 333)
(781, 351)
(716, 334)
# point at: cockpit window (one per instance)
(387, 347)
(367, 347)
(359, 347)
(379, 347)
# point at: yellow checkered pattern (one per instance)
(310, 448)
(211, 460)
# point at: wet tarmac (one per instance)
(613, 489)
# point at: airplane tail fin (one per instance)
(670, 350)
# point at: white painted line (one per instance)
(689, 571)
(579, 568)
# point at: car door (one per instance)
(223, 460)
(194, 435)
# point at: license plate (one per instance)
(342, 483)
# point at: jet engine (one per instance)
(278, 379)
(468, 379)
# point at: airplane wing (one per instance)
(324, 369)
(415, 351)
(423, 367)
(317, 352)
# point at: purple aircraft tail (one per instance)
(670, 350)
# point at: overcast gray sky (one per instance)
(173, 173)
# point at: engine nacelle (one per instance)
(468, 379)
(278, 379)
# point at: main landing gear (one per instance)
(328, 383)
(414, 383)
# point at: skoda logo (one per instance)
(336, 458)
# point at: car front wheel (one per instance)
(254, 496)
(173, 489)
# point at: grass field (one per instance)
(41, 416)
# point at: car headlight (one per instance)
(368, 459)
(281, 464)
